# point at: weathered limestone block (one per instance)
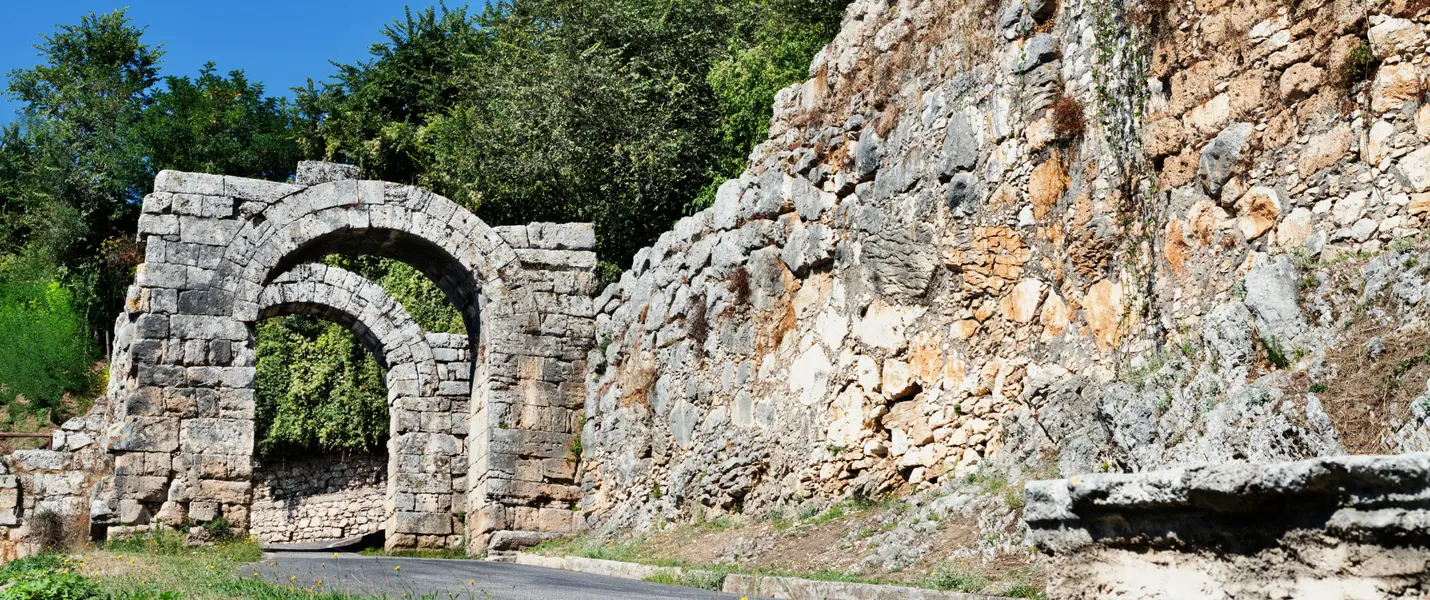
(217, 436)
(312, 173)
(1371, 538)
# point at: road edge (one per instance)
(764, 586)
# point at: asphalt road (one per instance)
(456, 579)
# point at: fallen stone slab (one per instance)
(1333, 527)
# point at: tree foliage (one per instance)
(39, 322)
(625, 113)
(617, 112)
(319, 388)
(95, 130)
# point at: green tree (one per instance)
(617, 112)
(39, 359)
(216, 124)
(82, 103)
(82, 171)
(318, 389)
(776, 54)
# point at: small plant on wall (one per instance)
(1069, 121)
(1358, 65)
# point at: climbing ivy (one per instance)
(1126, 33)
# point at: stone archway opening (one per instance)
(412, 492)
(217, 248)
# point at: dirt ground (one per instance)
(838, 543)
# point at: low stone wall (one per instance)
(1340, 527)
(328, 498)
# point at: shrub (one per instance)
(48, 585)
(44, 344)
(47, 530)
(957, 579)
(219, 530)
(1358, 66)
(1068, 120)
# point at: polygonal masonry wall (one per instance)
(223, 253)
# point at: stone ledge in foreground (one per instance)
(1336, 527)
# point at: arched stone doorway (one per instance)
(214, 245)
(425, 452)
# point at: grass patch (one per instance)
(956, 578)
(445, 553)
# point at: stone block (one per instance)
(218, 436)
(145, 434)
(564, 236)
(1220, 157)
(141, 488)
(312, 173)
(177, 182)
(422, 523)
(226, 492)
(203, 512)
(559, 259)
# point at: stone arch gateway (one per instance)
(222, 253)
(426, 447)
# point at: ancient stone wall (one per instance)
(527, 404)
(53, 485)
(330, 498)
(1028, 236)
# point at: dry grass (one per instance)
(1069, 120)
(1367, 393)
(739, 285)
(698, 323)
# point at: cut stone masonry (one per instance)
(482, 424)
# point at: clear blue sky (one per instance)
(278, 42)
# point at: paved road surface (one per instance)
(458, 579)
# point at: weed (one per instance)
(1069, 121)
(1014, 498)
(219, 530)
(665, 576)
(720, 523)
(1023, 590)
(1275, 353)
(704, 579)
(807, 513)
(1358, 66)
(1139, 376)
(959, 578)
(1164, 403)
(600, 366)
(1318, 388)
(834, 512)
